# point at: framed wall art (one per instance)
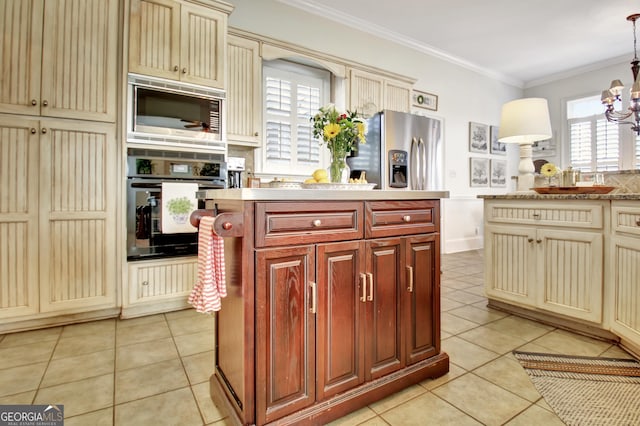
(478, 172)
(425, 100)
(498, 173)
(499, 148)
(478, 138)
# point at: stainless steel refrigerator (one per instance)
(403, 151)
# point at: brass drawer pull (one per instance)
(410, 278)
(314, 297)
(363, 280)
(370, 297)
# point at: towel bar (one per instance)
(227, 224)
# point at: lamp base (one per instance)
(526, 168)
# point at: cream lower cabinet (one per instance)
(159, 285)
(57, 217)
(545, 256)
(624, 273)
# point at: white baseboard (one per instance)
(463, 244)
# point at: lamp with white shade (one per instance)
(525, 121)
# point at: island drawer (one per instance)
(392, 218)
(573, 213)
(625, 217)
(287, 223)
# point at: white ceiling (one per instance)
(520, 42)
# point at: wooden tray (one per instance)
(574, 189)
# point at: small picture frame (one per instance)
(478, 172)
(498, 173)
(425, 100)
(478, 138)
(498, 148)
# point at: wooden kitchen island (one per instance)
(333, 300)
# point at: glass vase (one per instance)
(338, 169)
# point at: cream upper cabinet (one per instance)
(397, 96)
(624, 274)
(179, 40)
(244, 94)
(63, 58)
(546, 256)
(370, 93)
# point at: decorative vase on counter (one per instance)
(338, 169)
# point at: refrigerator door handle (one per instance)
(423, 164)
(413, 164)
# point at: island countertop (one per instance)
(550, 197)
(280, 194)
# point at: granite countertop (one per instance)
(273, 194)
(535, 196)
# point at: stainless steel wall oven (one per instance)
(147, 170)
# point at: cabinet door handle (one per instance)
(638, 222)
(314, 297)
(536, 215)
(45, 103)
(43, 130)
(363, 283)
(410, 278)
(370, 297)
(256, 134)
(538, 241)
(406, 218)
(145, 282)
(34, 102)
(33, 131)
(184, 70)
(530, 239)
(175, 68)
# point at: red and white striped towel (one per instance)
(211, 285)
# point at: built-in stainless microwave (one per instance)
(174, 114)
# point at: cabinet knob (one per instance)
(33, 131)
(406, 218)
(175, 68)
(43, 130)
(184, 70)
(538, 241)
(227, 225)
(536, 215)
(530, 240)
(45, 103)
(256, 134)
(638, 222)
(317, 223)
(145, 282)
(34, 102)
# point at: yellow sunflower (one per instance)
(549, 169)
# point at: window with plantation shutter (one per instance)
(594, 142)
(292, 94)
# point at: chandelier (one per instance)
(611, 95)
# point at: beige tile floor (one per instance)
(154, 370)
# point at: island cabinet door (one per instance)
(421, 293)
(383, 335)
(286, 301)
(340, 317)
